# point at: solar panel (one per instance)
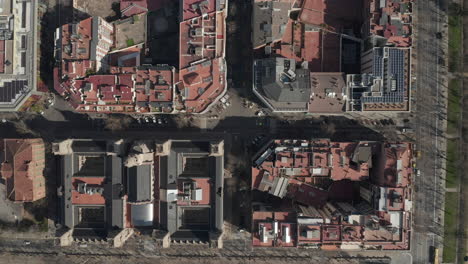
(12, 90)
(394, 75)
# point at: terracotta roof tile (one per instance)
(22, 167)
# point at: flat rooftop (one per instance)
(17, 61)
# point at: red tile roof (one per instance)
(133, 7)
(197, 40)
(393, 167)
(129, 57)
(77, 44)
(331, 233)
(22, 168)
(201, 40)
(201, 183)
(195, 8)
(332, 15)
(202, 84)
(77, 69)
(399, 37)
(84, 198)
(330, 159)
(307, 194)
(265, 221)
(342, 168)
(325, 209)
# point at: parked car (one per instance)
(407, 130)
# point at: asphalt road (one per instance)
(235, 250)
(429, 195)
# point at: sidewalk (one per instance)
(462, 246)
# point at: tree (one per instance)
(328, 128)
(117, 122)
(90, 72)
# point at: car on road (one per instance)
(407, 130)
(418, 172)
(258, 139)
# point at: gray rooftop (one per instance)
(140, 183)
(269, 21)
(280, 83)
(170, 171)
(109, 167)
(89, 146)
